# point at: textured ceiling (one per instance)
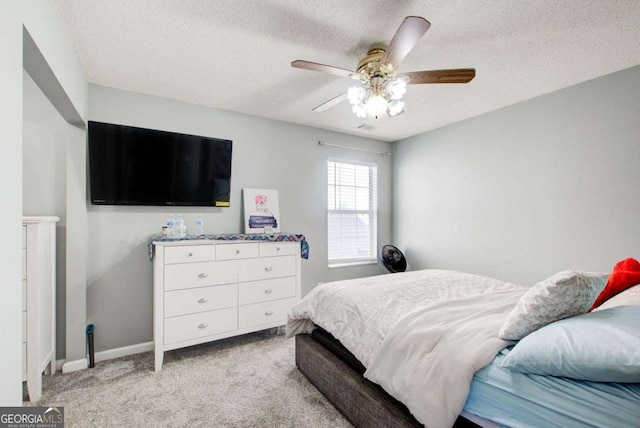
(236, 54)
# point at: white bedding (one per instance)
(417, 344)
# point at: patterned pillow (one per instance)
(563, 295)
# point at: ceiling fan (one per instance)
(380, 87)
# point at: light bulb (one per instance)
(395, 108)
(397, 88)
(355, 95)
(376, 105)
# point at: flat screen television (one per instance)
(138, 166)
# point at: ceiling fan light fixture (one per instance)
(381, 87)
(373, 100)
(395, 108)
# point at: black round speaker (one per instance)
(393, 259)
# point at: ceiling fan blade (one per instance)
(313, 66)
(461, 75)
(410, 31)
(332, 102)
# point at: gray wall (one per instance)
(523, 192)
(44, 153)
(266, 154)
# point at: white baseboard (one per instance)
(109, 354)
(74, 366)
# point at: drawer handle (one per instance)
(203, 300)
(203, 325)
(203, 275)
(278, 249)
(237, 251)
(268, 313)
(190, 255)
(268, 291)
(268, 269)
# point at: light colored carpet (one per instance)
(246, 381)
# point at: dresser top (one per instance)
(196, 242)
(40, 219)
(231, 238)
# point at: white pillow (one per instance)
(630, 296)
(563, 295)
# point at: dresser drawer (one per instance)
(192, 300)
(266, 268)
(24, 294)
(24, 358)
(24, 236)
(202, 324)
(264, 313)
(189, 254)
(191, 275)
(236, 251)
(265, 290)
(268, 249)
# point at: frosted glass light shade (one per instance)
(355, 95)
(396, 88)
(359, 110)
(395, 108)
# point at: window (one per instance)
(352, 212)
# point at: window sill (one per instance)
(335, 265)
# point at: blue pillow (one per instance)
(602, 346)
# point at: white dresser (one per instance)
(38, 301)
(209, 290)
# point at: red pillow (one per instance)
(625, 274)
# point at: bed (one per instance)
(422, 347)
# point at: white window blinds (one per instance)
(352, 212)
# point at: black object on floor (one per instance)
(92, 360)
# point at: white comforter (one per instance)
(422, 335)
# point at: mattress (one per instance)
(521, 400)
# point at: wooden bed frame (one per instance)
(361, 401)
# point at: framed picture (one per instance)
(261, 211)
